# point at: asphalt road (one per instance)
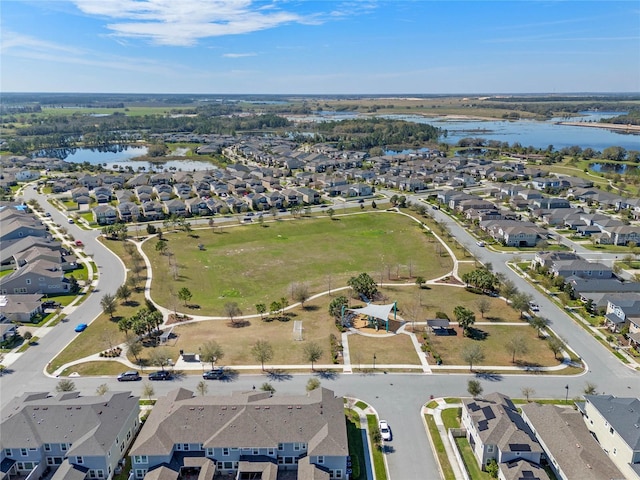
(396, 397)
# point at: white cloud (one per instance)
(12, 41)
(239, 55)
(184, 22)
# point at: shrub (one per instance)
(442, 315)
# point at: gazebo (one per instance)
(375, 311)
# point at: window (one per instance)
(79, 460)
(63, 447)
(615, 451)
(140, 459)
(209, 452)
(336, 474)
(140, 472)
(225, 452)
(28, 282)
(47, 447)
(489, 448)
(281, 446)
(23, 452)
(8, 452)
(256, 451)
(271, 451)
(320, 459)
(296, 447)
(228, 465)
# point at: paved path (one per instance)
(442, 430)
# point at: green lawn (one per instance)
(251, 264)
(438, 445)
(470, 461)
(356, 447)
(451, 417)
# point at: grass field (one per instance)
(450, 348)
(251, 264)
(389, 350)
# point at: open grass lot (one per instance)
(237, 342)
(388, 350)
(97, 368)
(251, 264)
(450, 348)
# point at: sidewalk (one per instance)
(437, 417)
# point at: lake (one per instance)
(116, 156)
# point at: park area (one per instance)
(253, 264)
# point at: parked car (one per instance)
(215, 374)
(81, 327)
(70, 220)
(534, 307)
(480, 243)
(160, 375)
(79, 243)
(130, 376)
(385, 431)
(48, 214)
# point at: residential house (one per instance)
(243, 434)
(546, 259)
(309, 196)
(19, 226)
(175, 207)
(614, 422)
(152, 210)
(182, 190)
(197, 206)
(291, 197)
(580, 268)
(549, 203)
(571, 451)
(144, 193)
(20, 308)
(163, 191)
(129, 211)
(543, 183)
(67, 432)
(102, 194)
(105, 215)
(496, 431)
(623, 310)
(41, 276)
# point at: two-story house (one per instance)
(615, 424)
(241, 434)
(67, 432)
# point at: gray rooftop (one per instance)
(244, 419)
(622, 413)
(91, 424)
(566, 437)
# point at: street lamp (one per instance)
(566, 398)
(374, 361)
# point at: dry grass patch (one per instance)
(496, 336)
(388, 350)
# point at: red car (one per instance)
(79, 243)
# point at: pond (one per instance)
(114, 157)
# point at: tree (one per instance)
(508, 289)
(108, 304)
(211, 352)
(312, 384)
(312, 353)
(474, 388)
(185, 295)
(331, 212)
(124, 292)
(232, 310)
(589, 388)
(134, 347)
(516, 345)
(261, 309)
(284, 303)
(65, 385)
(159, 357)
(275, 306)
(102, 389)
(527, 392)
(262, 351)
(520, 302)
(492, 468)
(473, 353)
(555, 345)
(483, 305)
(202, 388)
(147, 390)
(465, 318)
(363, 284)
(420, 281)
(539, 324)
(125, 324)
(267, 387)
(151, 229)
(28, 336)
(335, 307)
(300, 292)
(161, 246)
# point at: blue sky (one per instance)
(319, 47)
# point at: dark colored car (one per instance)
(214, 374)
(160, 375)
(130, 376)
